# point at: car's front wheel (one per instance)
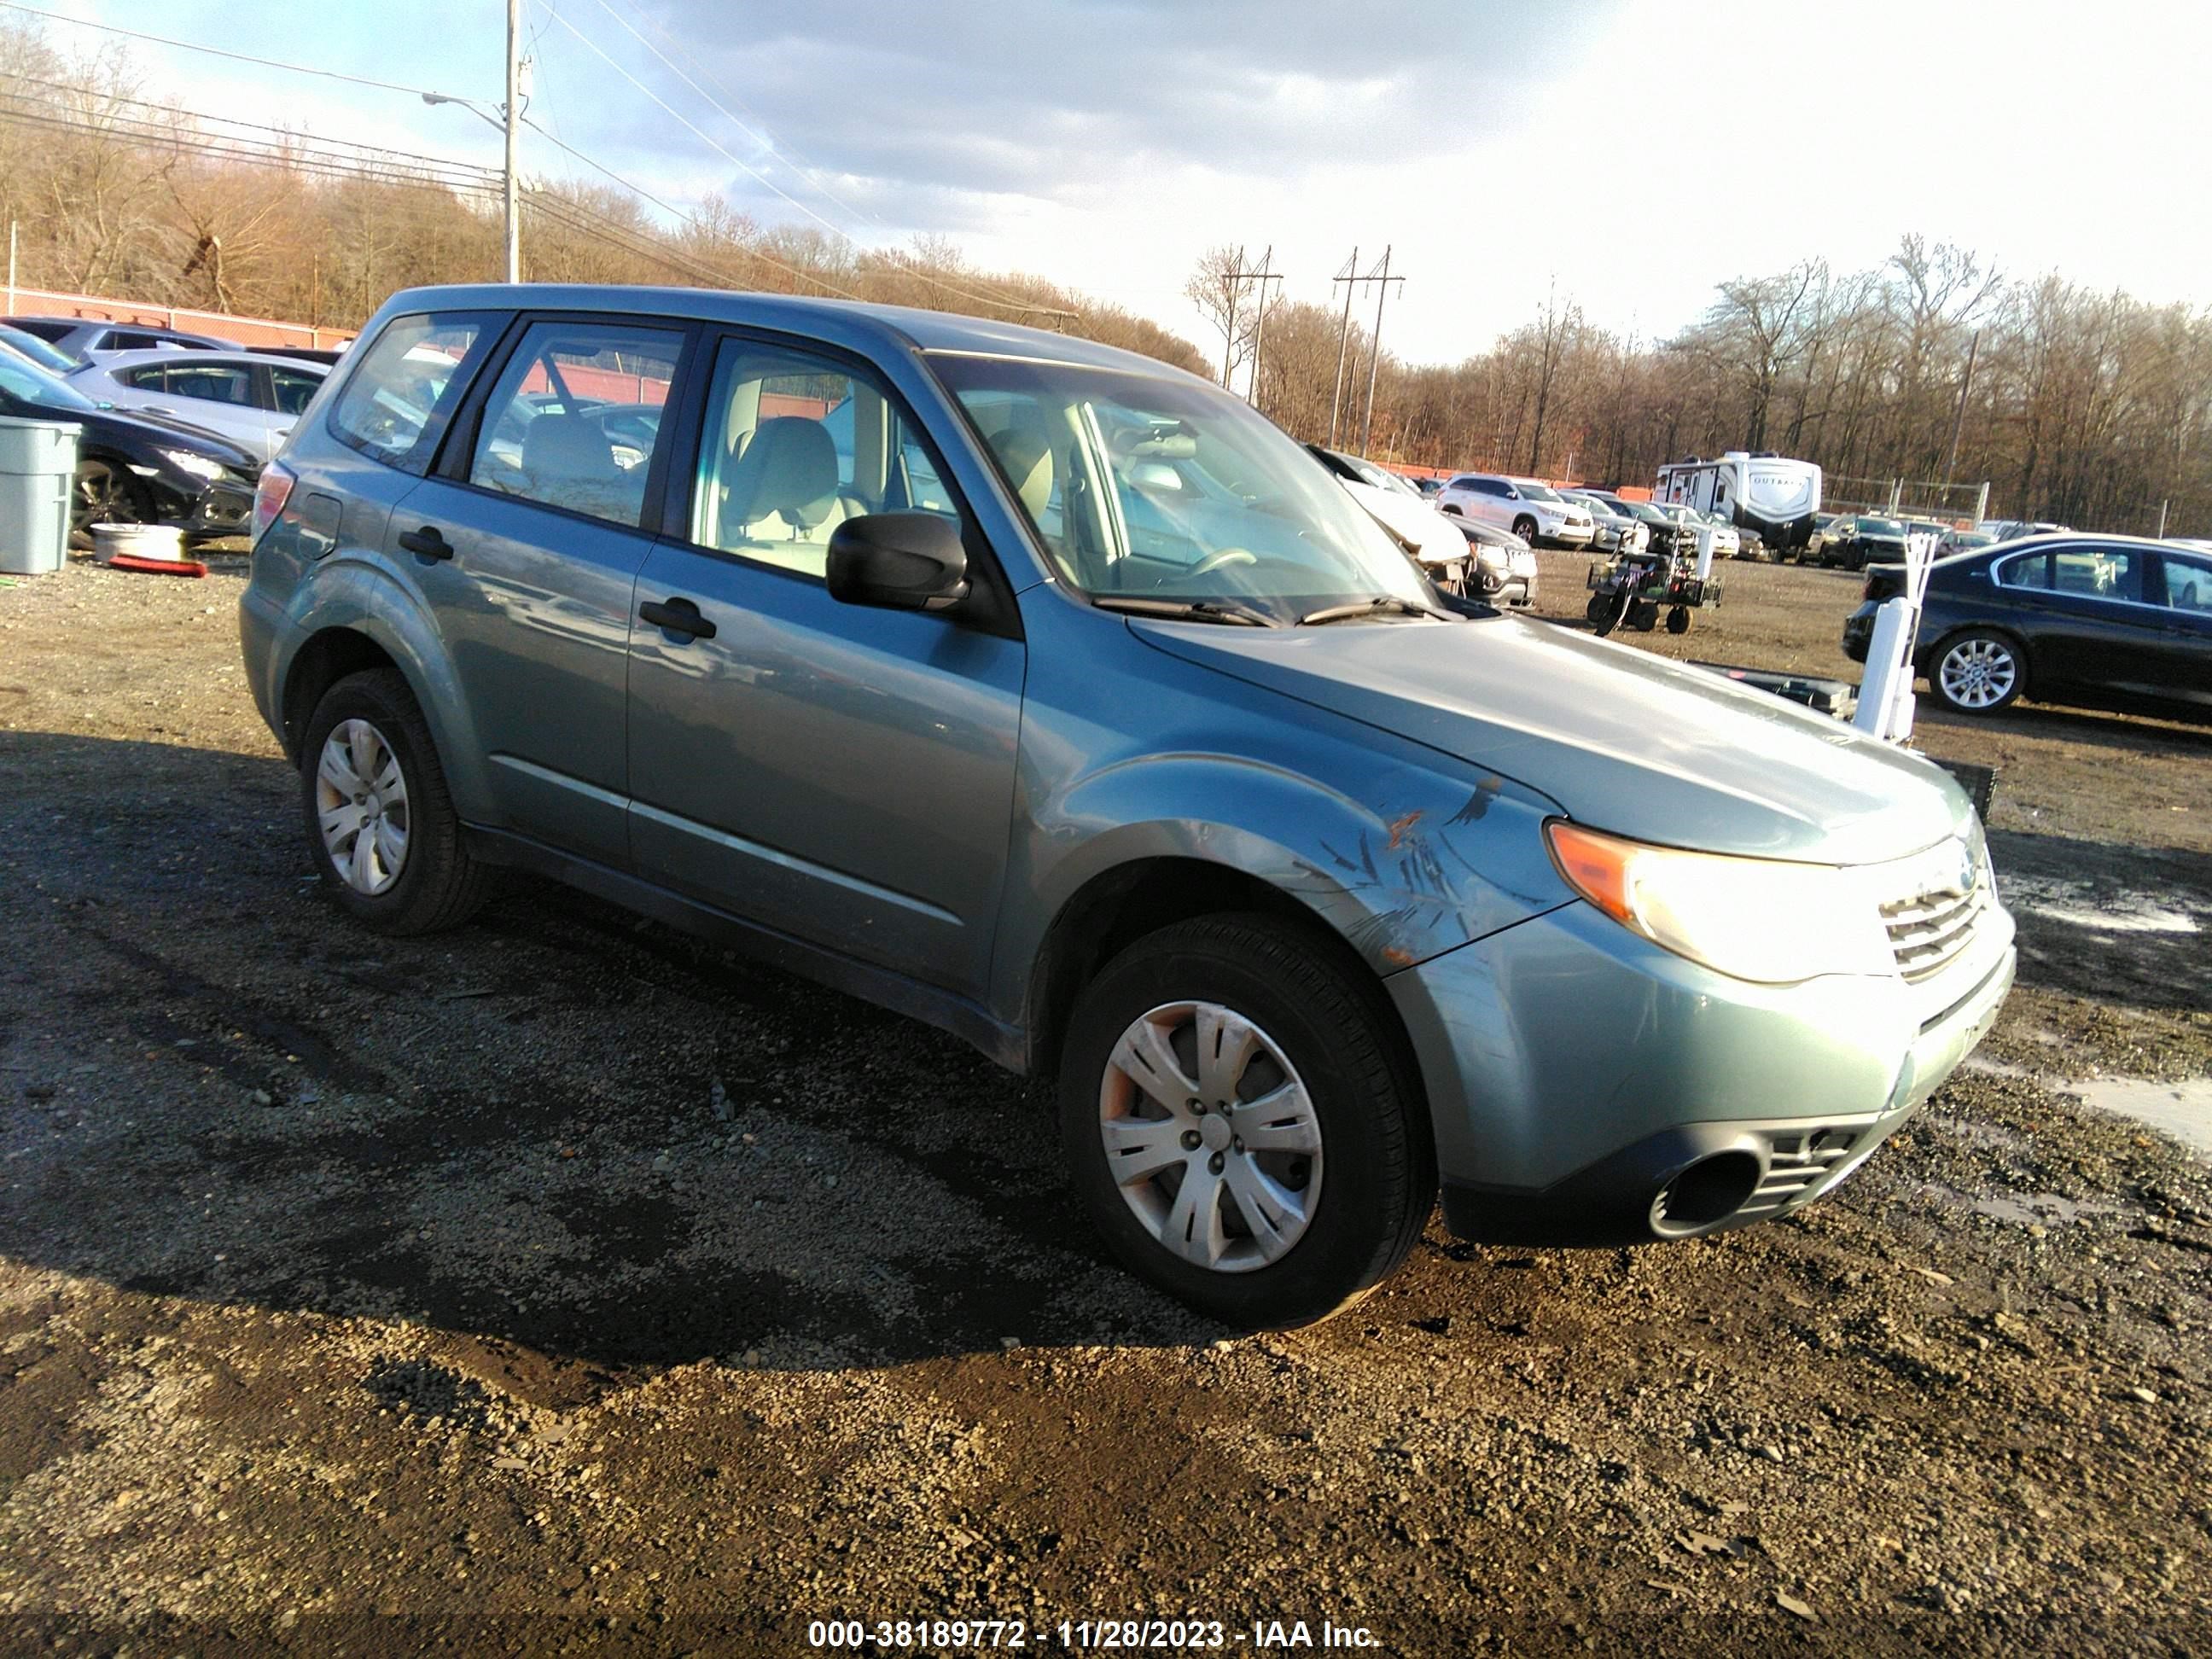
(1237, 1122)
(379, 819)
(1525, 528)
(104, 492)
(1978, 672)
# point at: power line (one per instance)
(290, 136)
(212, 52)
(754, 133)
(704, 137)
(251, 151)
(589, 221)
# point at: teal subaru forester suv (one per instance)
(1049, 695)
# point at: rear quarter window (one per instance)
(404, 388)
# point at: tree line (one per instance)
(2085, 407)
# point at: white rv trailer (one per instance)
(1765, 492)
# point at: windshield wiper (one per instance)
(1330, 613)
(1212, 611)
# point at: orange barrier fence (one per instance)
(247, 330)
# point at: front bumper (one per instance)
(222, 508)
(1571, 535)
(1859, 631)
(1577, 1076)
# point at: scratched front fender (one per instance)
(1405, 851)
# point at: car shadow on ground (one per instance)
(562, 1130)
(2130, 732)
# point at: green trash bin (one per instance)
(38, 471)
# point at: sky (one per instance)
(1629, 154)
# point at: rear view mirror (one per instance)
(899, 561)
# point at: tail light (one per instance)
(269, 496)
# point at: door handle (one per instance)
(677, 616)
(426, 543)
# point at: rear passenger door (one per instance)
(2184, 667)
(2091, 622)
(840, 774)
(526, 542)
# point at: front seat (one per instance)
(1023, 448)
(781, 501)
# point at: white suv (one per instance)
(1534, 511)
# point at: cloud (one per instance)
(1061, 103)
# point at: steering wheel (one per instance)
(1219, 557)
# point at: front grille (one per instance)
(1929, 930)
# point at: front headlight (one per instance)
(1762, 920)
(198, 465)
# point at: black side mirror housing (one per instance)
(898, 561)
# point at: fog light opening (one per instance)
(1708, 1191)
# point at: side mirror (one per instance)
(899, 561)
(1511, 494)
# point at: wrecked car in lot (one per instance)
(1051, 695)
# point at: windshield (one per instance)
(1534, 492)
(47, 355)
(1165, 489)
(23, 379)
(1879, 527)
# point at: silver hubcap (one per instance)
(1976, 673)
(361, 799)
(1210, 1136)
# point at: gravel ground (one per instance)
(559, 1282)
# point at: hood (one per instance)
(1435, 538)
(1622, 740)
(183, 434)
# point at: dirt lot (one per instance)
(560, 1284)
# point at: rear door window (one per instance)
(293, 389)
(404, 388)
(575, 420)
(2188, 583)
(212, 383)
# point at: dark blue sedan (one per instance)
(2109, 621)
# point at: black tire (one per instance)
(1678, 620)
(439, 885)
(1598, 612)
(1378, 1177)
(1525, 528)
(104, 492)
(2003, 659)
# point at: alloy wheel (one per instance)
(1978, 673)
(101, 496)
(361, 802)
(1210, 1136)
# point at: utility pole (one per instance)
(513, 113)
(1262, 276)
(1343, 338)
(1959, 419)
(1374, 346)
(1351, 279)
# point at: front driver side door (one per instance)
(840, 773)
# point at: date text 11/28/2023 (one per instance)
(1127, 1635)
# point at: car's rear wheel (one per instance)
(1978, 672)
(386, 839)
(1239, 1124)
